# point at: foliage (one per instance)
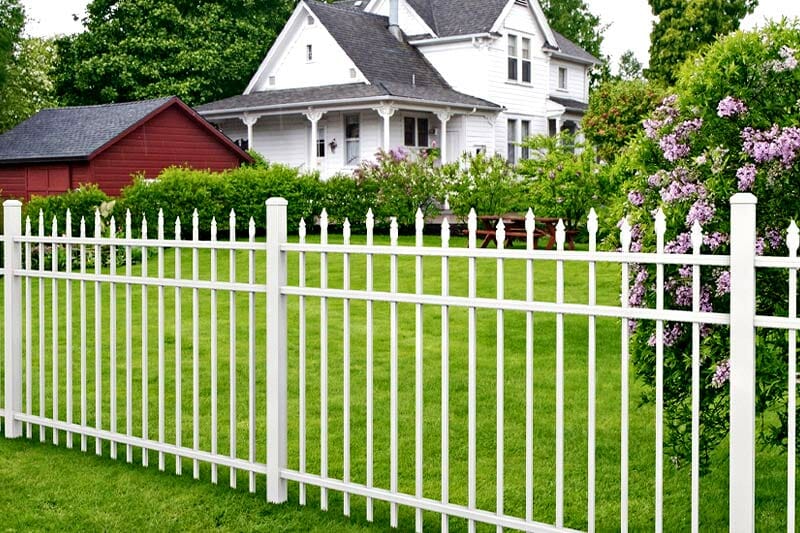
(731, 127)
(683, 27)
(564, 178)
(630, 68)
(137, 49)
(348, 198)
(487, 184)
(179, 191)
(576, 22)
(28, 88)
(404, 182)
(12, 21)
(616, 111)
(81, 202)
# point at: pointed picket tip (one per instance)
(419, 219)
(144, 227)
(661, 222)
(592, 221)
(530, 221)
(370, 217)
(177, 228)
(625, 235)
(323, 216)
(346, 231)
(195, 214)
(393, 231)
(214, 225)
(697, 236)
(83, 227)
(500, 224)
(27, 224)
(472, 220)
(793, 238)
(251, 228)
(69, 214)
(301, 228)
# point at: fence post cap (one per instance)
(744, 198)
(12, 203)
(277, 202)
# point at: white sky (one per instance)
(630, 20)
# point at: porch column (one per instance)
(386, 112)
(444, 117)
(250, 121)
(314, 117)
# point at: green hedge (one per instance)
(81, 202)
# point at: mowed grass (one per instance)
(197, 504)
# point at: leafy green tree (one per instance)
(685, 26)
(573, 19)
(28, 88)
(200, 50)
(629, 66)
(616, 111)
(12, 21)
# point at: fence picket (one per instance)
(792, 243)
(560, 235)
(530, 244)
(625, 240)
(54, 318)
(98, 336)
(178, 353)
(302, 363)
(346, 366)
(500, 378)
(68, 325)
(41, 329)
(418, 372)
(661, 228)
(323, 361)
(128, 337)
(82, 288)
(445, 451)
(161, 343)
(370, 226)
(112, 335)
(472, 368)
(592, 227)
(195, 345)
(28, 333)
(697, 242)
(232, 345)
(251, 355)
(145, 355)
(214, 362)
(393, 407)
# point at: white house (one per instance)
(346, 79)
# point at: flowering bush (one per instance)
(731, 126)
(487, 184)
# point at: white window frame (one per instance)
(321, 148)
(525, 132)
(309, 53)
(352, 141)
(563, 79)
(511, 143)
(512, 38)
(417, 129)
(523, 60)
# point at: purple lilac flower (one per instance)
(722, 374)
(746, 176)
(633, 325)
(775, 144)
(651, 127)
(775, 238)
(673, 148)
(724, 283)
(636, 198)
(760, 245)
(686, 127)
(683, 295)
(715, 240)
(685, 271)
(658, 179)
(679, 190)
(788, 60)
(636, 296)
(701, 212)
(705, 301)
(730, 106)
(681, 244)
(671, 335)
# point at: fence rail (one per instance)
(396, 329)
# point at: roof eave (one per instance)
(574, 59)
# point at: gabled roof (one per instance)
(571, 50)
(377, 54)
(305, 97)
(80, 133)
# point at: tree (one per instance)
(629, 66)
(686, 26)
(573, 19)
(28, 88)
(200, 50)
(12, 21)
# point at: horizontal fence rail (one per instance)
(418, 380)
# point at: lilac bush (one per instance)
(732, 125)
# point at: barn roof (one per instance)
(78, 133)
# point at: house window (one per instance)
(562, 78)
(526, 60)
(552, 127)
(352, 133)
(272, 80)
(320, 141)
(512, 57)
(525, 127)
(310, 20)
(415, 132)
(352, 73)
(309, 52)
(512, 139)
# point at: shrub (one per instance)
(348, 197)
(81, 202)
(487, 184)
(616, 111)
(730, 127)
(564, 179)
(403, 182)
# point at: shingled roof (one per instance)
(572, 50)
(72, 133)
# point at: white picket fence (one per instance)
(266, 427)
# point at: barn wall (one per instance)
(12, 182)
(170, 138)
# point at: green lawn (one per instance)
(199, 504)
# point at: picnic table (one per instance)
(515, 230)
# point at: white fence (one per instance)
(267, 348)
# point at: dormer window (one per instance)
(272, 80)
(310, 20)
(352, 73)
(309, 53)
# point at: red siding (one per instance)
(12, 182)
(169, 138)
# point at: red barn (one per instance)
(59, 149)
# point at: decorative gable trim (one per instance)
(538, 15)
(301, 12)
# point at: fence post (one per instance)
(742, 363)
(12, 223)
(277, 454)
